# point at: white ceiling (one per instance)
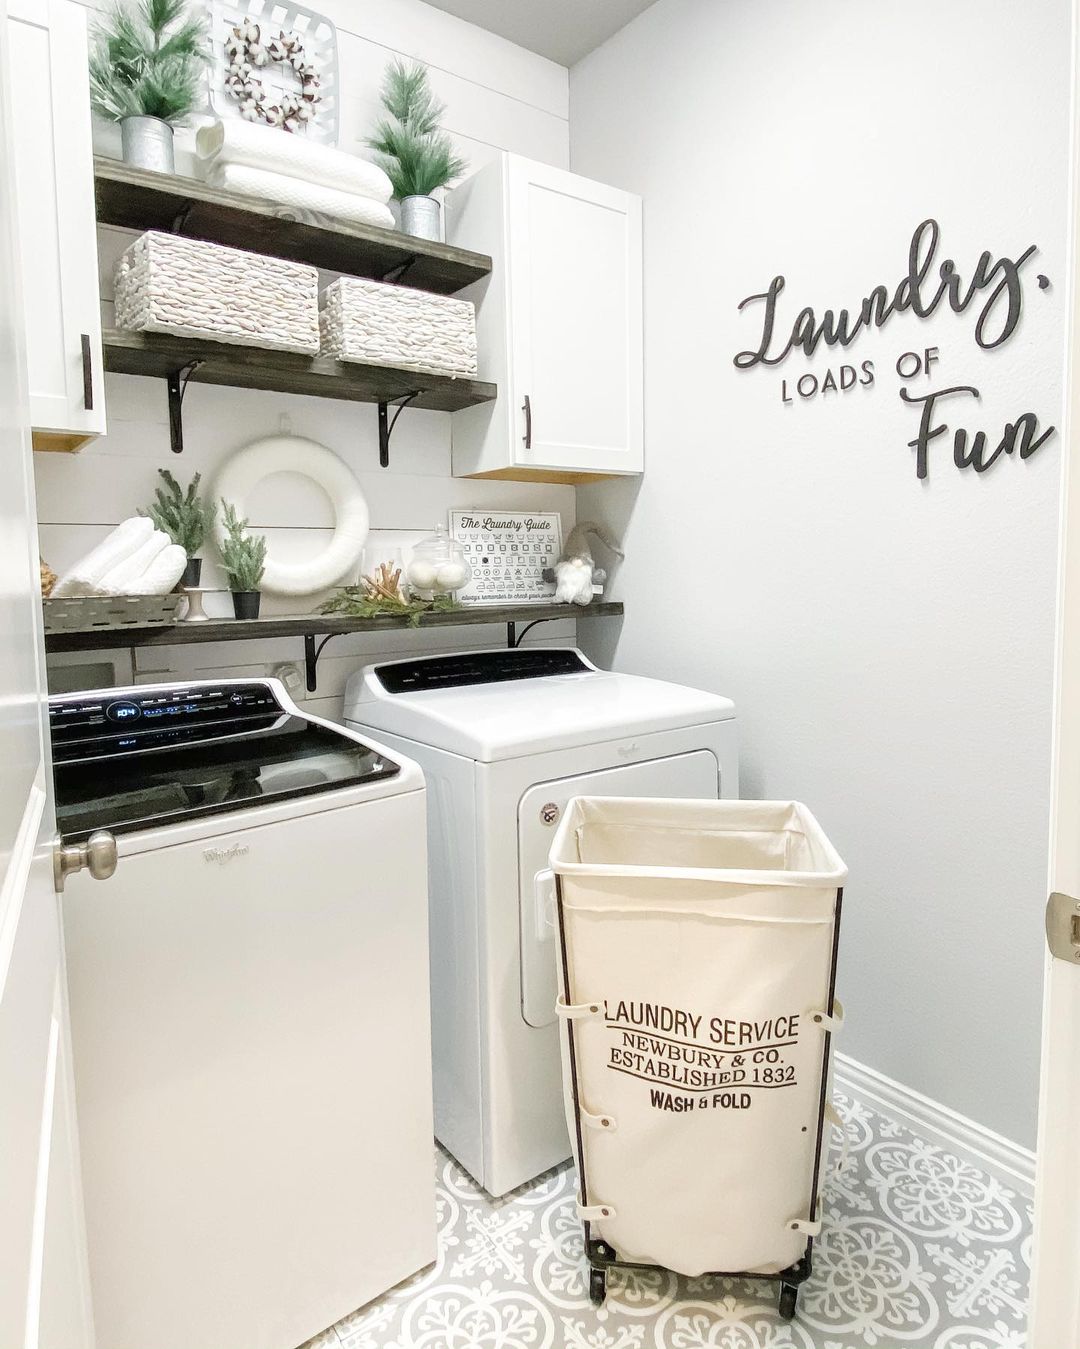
(562, 30)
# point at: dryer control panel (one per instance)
(479, 667)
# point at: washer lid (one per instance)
(140, 757)
(491, 715)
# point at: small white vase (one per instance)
(420, 218)
(147, 144)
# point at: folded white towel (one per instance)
(161, 575)
(119, 579)
(298, 200)
(84, 576)
(234, 141)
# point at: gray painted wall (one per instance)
(887, 641)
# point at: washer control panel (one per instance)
(119, 721)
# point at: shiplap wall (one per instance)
(498, 96)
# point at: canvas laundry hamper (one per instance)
(697, 944)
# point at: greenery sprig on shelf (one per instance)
(243, 555)
(360, 601)
(181, 513)
(409, 143)
(146, 61)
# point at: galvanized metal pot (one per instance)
(147, 143)
(420, 218)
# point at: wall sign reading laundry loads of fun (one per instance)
(697, 1061)
(994, 292)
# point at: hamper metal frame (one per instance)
(603, 1257)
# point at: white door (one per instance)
(44, 1296)
(575, 298)
(1055, 1313)
(693, 775)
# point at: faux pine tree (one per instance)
(181, 513)
(409, 143)
(243, 555)
(146, 61)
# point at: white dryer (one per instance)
(505, 739)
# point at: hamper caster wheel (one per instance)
(597, 1287)
(789, 1297)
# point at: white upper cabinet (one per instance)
(558, 325)
(54, 172)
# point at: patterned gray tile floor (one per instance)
(920, 1250)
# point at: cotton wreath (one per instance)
(247, 52)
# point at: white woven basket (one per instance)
(190, 288)
(376, 324)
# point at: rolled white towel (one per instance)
(84, 576)
(161, 575)
(299, 200)
(234, 141)
(122, 577)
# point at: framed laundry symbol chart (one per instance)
(507, 553)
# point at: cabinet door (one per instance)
(575, 305)
(54, 175)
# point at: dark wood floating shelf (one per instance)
(318, 625)
(133, 353)
(138, 200)
(310, 626)
(303, 625)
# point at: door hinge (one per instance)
(1063, 927)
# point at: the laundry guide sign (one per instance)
(993, 293)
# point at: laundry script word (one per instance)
(999, 276)
(697, 1061)
(993, 291)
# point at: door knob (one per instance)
(97, 855)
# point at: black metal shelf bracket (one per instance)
(311, 658)
(514, 638)
(387, 424)
(177, 383)
(394, 275)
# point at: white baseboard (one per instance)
(974, 1142)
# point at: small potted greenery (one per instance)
(410, 145)
(186, 517)
(243, 556)
(145, 67)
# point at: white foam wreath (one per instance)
(247, 51)
(292, 454)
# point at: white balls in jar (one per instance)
(451, 575)
(421, 574)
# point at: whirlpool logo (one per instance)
(223, 855)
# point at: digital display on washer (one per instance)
(123, 711)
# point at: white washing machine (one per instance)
(249, 1009)
(505, 738)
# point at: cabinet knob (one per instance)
(97, 855)
(87, 374)
(526, 407)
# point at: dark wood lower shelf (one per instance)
(310, 625)
(157, 354)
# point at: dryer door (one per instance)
(539, 811)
